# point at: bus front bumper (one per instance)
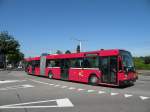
(127, 82)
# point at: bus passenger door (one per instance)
(64, 69)
(33, 69)
(109, 69)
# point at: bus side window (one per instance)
(67, 63)
(86, 63)
(37, 63)
(47, 63)
(72, 62)
(33, 63)
(51, 63)
(76, 63)
(57, 63)
(91, 62)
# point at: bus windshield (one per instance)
(127, 59)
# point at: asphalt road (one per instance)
(20, 92)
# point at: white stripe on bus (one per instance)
(86, 68)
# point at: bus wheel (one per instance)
(50, 75)
(93, 80)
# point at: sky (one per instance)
(48, 25)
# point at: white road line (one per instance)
(56, 85)
(128, 95)
(39, 82)
(64, 103)
(51, 84)
(101, 92)
(64, 86)
(143, 81)
(71, 88)
(10, 81)
(17, 87)
(80, 89)
(60, 103)
(89, 91)
(144, 97)
(113, 94)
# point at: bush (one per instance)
(147, 60)
(140, 63)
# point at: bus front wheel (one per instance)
(93, 80)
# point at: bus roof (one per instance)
(32, 58)
(110, 52)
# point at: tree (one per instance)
(10, 48)
(8, 43)
(15, 57)
(147, 60)
(59, 52)
(68, 52)
(78, 49)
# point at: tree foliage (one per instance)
(78, 49)
(7, 43)
(68, 52)
(147, 60)
(140, 63)
(10, 48)
(59, 52)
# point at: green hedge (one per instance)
(139, 63)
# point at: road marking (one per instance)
(71, 88)
(113, 94)
(17, 87)
(101, 92)
(60, 103)
(89, 91)
(144, 97)
(143, 81)
(64, 103)
(10, 81)
(51, 84)
(127, 95)
(56, 85)
(64, 86)
(39, 82)
(80, 89)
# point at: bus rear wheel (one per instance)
(50, 75)
(93, 80)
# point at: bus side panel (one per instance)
(55, 71)
(29, 70)
(47, 70)
(85, 74)
(121, 77)
(37, 71)
(74, 74)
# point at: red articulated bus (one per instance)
(107, 67)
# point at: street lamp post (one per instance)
(80, 42)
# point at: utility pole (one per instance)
(80, 42)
